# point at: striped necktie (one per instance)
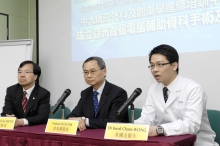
(24, 101)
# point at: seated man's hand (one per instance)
(152, 131)
(12, 115)
(19, 122)
(81, 125)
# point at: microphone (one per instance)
(130, 100)
(66, 93)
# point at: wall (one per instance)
(59, 73)
(22, 19)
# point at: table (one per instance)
(35, 136)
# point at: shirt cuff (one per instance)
(25, 122)
(87, 122)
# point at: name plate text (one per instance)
(62, 126)
(7, 122)
(126, 131)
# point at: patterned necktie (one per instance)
(95, 100)
(24, 101)
(165, 95)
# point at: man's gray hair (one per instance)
(99, 60)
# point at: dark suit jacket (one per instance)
(112, 98)
(37, 110)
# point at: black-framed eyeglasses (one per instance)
(25, 72)
(158, 65)
(92, 72)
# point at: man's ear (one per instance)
(175, 66)
(105, 72)
(35, 76)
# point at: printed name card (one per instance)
(126, 131)
(7, 122)
(62, 126)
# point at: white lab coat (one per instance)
(183, 113)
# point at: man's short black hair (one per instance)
(36, 67)
(168, 51)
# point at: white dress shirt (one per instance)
(98, 97)
(29, 91)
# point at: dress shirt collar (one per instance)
(29, 91)
(171, 86)
(100, 89)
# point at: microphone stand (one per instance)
(62, 110)
(132, 113)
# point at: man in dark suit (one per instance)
(27, 101)
(99, 102)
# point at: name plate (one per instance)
(7, 122)
(62, 126)
(126, 131)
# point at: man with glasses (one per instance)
(99, 102)
(175, 105)
(27, 101)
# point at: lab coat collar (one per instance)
(174, 90)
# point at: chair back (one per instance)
(214, 119)
(137, 113)
(58, 113)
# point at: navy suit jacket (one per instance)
(112, 98)
(37, 110)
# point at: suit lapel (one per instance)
(32, 99)
(104, 96)
(19, 96)
(171, 98)
(160, 95)
(91, 106)
(174, 92)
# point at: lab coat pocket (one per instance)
(179, 112)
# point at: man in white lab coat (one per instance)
(175, 105)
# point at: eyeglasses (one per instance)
(25, 72)
(158, 65)
(92, 72)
